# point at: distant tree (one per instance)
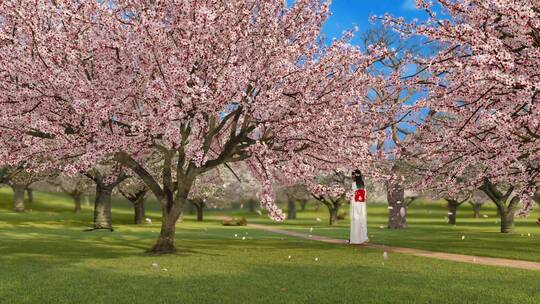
(203, 85)
(477, 200)
(397, 99)
(207, 187)
(452, 205)
(106, 178)
(75, 186)
(136, 192)
(20, 181)
(485, 78)
(331, 190)
(507, 202)
(239, 185)
(292, 194)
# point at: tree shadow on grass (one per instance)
(247, 279)
(63, 246)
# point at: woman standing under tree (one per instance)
(358, 210)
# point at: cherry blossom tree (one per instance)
(396, 98)
(106, 178)
(477, 200)
(239, 185)
(74, 186)
(292, 194)
(136, 192)
(444, 181)
(453, 203)
(207, 186)
(20, 181)
(486, 80)
(332, 191)
(201, 83)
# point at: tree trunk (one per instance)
(333, 212)
(86, 200)
(18, 197)
(139, 211)
(252, 205)
(452, 211)
(303, 203)
(505, 209)
(165, 241)
(476, 210)
(397, 219)
(77, 200)
(507, 221)
(102, 208)
(30, 194)
(200, 210)
(191, 207)
(291, 209)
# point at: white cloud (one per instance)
(409, 5)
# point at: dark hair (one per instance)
(358, 179)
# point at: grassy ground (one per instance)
(429, 230)
(46, 258)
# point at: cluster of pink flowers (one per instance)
(225, 81)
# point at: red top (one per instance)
(360, 195)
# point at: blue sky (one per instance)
(348, 13)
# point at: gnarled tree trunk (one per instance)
(333, 213)
(77, 198)
(30, 194)
(86, 200)
(476, 209)
(200, 211)
(102, 207)
(303, 203)
(452, 210)
(165, 241)
(137, 198)
(18, 197)
(506, 206)
(291, 208)
(139, 211)
(252, 205)
(191, 207)
(507, 220)
(397, 210)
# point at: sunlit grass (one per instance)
(429, 230)
(45, 257)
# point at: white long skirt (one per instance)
(358, 216)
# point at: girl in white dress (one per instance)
(358, 214)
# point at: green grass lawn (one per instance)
(429, 230)
(45, 257)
